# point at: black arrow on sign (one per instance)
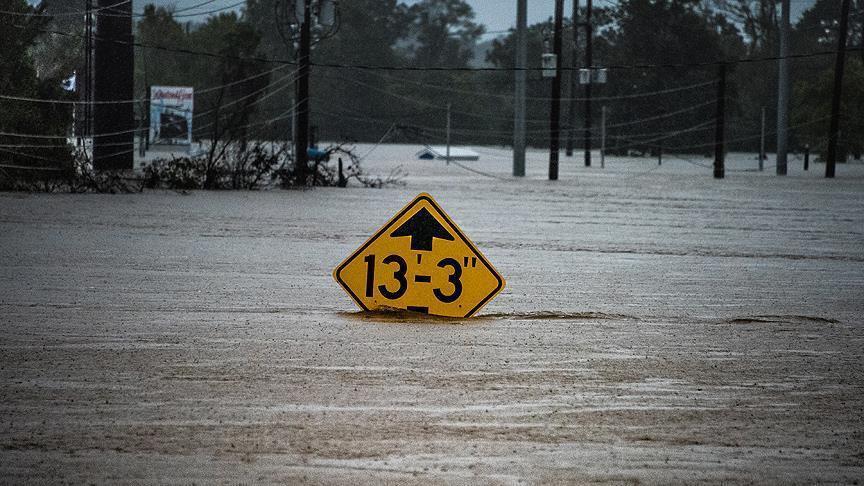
(422, 228)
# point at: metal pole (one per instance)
(448, 134)
(301, 142)
(719, 160)
(839, 66)
(762, 143)
(574, 81)
(783, 91)
(603, 137)
(519, 100)
(588, 62)
(555, 111)
(807, 157)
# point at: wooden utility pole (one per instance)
(783, 92)
(603, 137)
(88, 71)
(519, 99)
(301, 142)
(839, 66)
(762, 143)
(589, 33)
(574, 81)
(719, 133)
(555, 111)
(448, 135)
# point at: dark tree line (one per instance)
(650, 46)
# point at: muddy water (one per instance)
(658, 326)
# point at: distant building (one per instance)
(439, 152)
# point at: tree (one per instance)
(367, 34)
(443, 32)
(758, 20)
(224, 115)
(440, 33)
(155, 64)
(61, 55)
(657, 44)
(817, 28)
(812, 112)
(23, 25)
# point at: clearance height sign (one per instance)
(420, 261)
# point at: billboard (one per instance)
(171, 115)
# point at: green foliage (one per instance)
(814, 109)
(222, 115)
(18, 77)
(443, 32)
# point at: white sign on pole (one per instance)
(550, 62)
(599, 76)
(171, 115)
(593, 76)
(584, 76)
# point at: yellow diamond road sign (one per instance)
(420, 261)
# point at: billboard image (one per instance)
(171, 115)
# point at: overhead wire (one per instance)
(137, 100)
(138, 129)
(546, 98)
(63, 14)
(74, 13)
(373, 67)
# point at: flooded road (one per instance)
(657, 326)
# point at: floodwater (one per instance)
(658, 326)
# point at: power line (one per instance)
(138, 100)
(61, 14)
(751, 137)
(662, 115)
(542, 98)
(372, 67)
(74, 13)
(197, 115)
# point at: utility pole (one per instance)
(448, 134)
(603, 137)
(783, 91)
(113, 87)
(839, 66)
(719, 133)
(519, 99)
(88, 71)
(762, 142)
(589, 33)
(555, 111)
(574, 81)
(301, 141)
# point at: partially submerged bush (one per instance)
(235, 166)
(75, 176)
(261, 165)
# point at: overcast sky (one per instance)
(494, 14)
(501, 14)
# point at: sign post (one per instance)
(420, 261)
